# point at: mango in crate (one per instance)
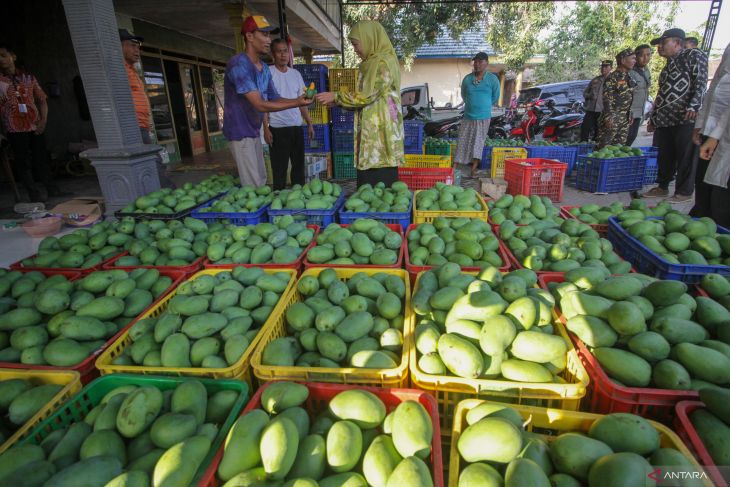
(311, 90)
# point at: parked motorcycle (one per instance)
(564, 127)
(448, 127)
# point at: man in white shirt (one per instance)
(283, 130)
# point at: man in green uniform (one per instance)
(618, 93)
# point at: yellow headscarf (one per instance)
(377, 48)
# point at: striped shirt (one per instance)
(139, 97)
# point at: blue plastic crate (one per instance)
(610, 175)
(343, 140)
(486, 161)
(402, 219)
(321, 141)
(558, 153)
(647, 262)
(316, 73)
(341, 118)
(312, 217)
(238, 219)
(413, 137)
(651, 170)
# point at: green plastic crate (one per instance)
(79, 406)
(344, 166)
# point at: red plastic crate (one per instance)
(87, 368)
(413, 270)
(319, 396)
(187, 269)
(296, 265)
(398, 264)
(540, 177)
(18, 266)
(605, 396)
(687, 432)
(425, 177)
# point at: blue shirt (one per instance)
(478, 99)
(240, 118)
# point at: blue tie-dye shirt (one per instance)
(240, 118)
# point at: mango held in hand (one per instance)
(311, 91)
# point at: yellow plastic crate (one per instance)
(427, 160)
(69, 379)
(500, 154)
(450, 390)
(319, 113)
(395, 377)
(420, 216)
(240, 370)
(550, 423)
(346, 78)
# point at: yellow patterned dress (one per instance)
(378, 122)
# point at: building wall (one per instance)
(443, 76)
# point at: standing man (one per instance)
(642, 77)
(691, 43)
(283, 130)
(593, 103)
(131, 45)
(479, 90)
(682, 84)
(249, 93)
(618, 94)
(24, 113)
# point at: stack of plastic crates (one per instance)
(413, 136)
(597, 175)
(343, 143)
(651, 169)
(534, 176)
(500, 154)
(317, 74)
(321, 140)
(347, 79)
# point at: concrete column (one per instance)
(518, 81)
(126, 168)
(501, 87)
(308, 54)
(236, 14)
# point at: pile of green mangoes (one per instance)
(614, 151)
(543, 143)
(136, 436)
(680, 239)
(618, 449)
(594, 214)
(547, 246)
(209, 322)
(20, 400)
(166, 201)
(396, 199)
(486, 326)
(440, 146)
(523, 209)
(246, 199)
(712, 423)
(80, 249)
(51, 321)
(648, 332)
(353, 441)
(504, 142)
(718, 287)
(445, 197)
(468, 242)
(364, 242)
(315, 195)
(338, 323)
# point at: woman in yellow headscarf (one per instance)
(378, 117)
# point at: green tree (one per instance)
(590, 32)
(513, 29)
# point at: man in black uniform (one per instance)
(593, 103)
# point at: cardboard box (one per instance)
(494, 188)
(80, 211)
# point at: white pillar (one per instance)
(126, 168)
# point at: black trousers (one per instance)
(633, 131)
(30, 160)
(711, 201)
(388, 175)
(589, 127)
(288, 144)
(677, 158)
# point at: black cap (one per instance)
(125, 35)
(667, 34)
(480, 56)
(607, 62)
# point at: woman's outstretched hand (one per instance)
(327, 98)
